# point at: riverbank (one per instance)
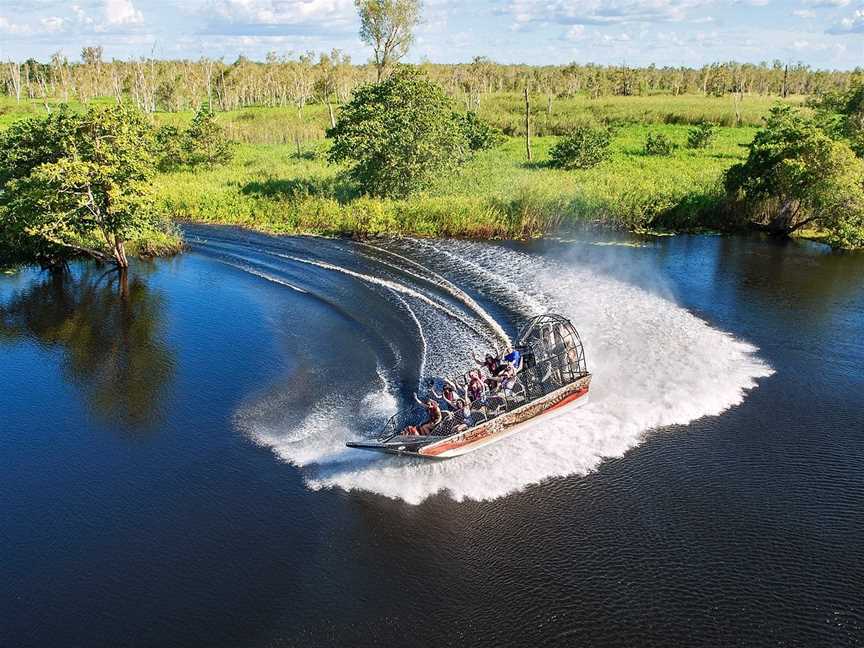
(498, 194)
(279, 180)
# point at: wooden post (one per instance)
(785, 92)
(527, 124)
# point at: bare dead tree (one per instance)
(15, 80)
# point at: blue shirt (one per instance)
(513, 358)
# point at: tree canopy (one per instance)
(843, 114)
(398, 135)
(797, 175)
(75, 183)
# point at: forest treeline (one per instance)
(328, 78)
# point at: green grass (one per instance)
(498, 194)
(284, 125)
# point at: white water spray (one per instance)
(654, 364)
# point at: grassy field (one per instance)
(497, 194)
(279, 180)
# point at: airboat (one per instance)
(551, 379)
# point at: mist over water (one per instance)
(654, 363)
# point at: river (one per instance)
(173, 469)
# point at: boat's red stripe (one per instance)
(579, 393)
(435, 450)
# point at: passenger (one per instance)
(493, 366)
(476, 389)
(433, 413)
(507, 380)
(464, 415)
(491, 362)
(448, 394)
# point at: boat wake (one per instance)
(426, 305)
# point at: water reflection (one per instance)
(109, 327)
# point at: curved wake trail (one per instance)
(490, 276)
(424, 344)
(386, 283)
(448, 286)
(655, 364)
(263, 275)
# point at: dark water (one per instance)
(172, 472)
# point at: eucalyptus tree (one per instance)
(387, 26)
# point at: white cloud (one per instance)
(804, 13)
(576, 32)
(604, 12)
(280, 12)
(854, 24)
(52, 24)
(122, 12)
(825, 4)
(13, 29)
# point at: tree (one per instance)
(92, 55)
(843, 114)
(387, 26)
(76, 184)
(15, 80)
(479, 135)
(797, 175)
(398, 135)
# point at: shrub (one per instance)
(583, 148)
(658, 144)
(479, 134)
(203, 143)
(702, 135)
(842, 113)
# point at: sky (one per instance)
(825, 34)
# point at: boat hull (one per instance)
(517, 420)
